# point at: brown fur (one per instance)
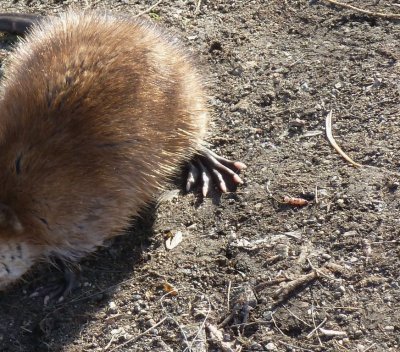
(97, 113)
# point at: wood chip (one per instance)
(173, 240)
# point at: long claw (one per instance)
(237, 179)
(205, 178)
(219, 177)
(192, 178)
(239, 165)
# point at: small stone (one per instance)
(394, 186)
(267, 315)
(297, 123)
(322, 192)
(137, 309)
(192, 227)
(258, 206)
(256, 347)
(389, 328)
(340, 202)
(305, 87)
(116, 331)
(270, 346)
(136, 297)
(237, 71)
(150, 323)
(112, 308)
(282, 250)
(241, 106)
(326, 256)
(338, 85)
(350, 233)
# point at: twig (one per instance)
(276, 325)
(332, 333)
(368, 348)
(202, 325)
(313, 319)
(325, 269)
(173, 319)
(217, 336)
(295, 316)
(227, 319)
(149, 9)
(109, 343)
(333, 142)
(291, 286)
(316, 328)
(197, 11)
(229, 294)
(265, 284)
(139, 336)
(365, 12)
(294, 347)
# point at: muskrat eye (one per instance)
(18, 164)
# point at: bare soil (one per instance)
(253, 273)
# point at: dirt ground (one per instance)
(253, 273)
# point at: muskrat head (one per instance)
(17, 254)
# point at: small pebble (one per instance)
(340, 202)
(267, 315)
(258, 206)
(389, 328)
(136, 297)
(112, 308)
(137, 309)
(270, 346)
(256, 347)
(150, 323)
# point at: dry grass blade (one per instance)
(365, 12)
(149, 9)
(333, 142)
(138, 336)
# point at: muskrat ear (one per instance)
(9, 219)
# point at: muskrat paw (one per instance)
(56, 292)
(207, 167)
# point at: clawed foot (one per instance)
(208, 167)
(58, 291)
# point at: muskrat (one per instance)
(97, 112)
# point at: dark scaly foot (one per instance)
(58, 291)
(17, 23)
(208, 167)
